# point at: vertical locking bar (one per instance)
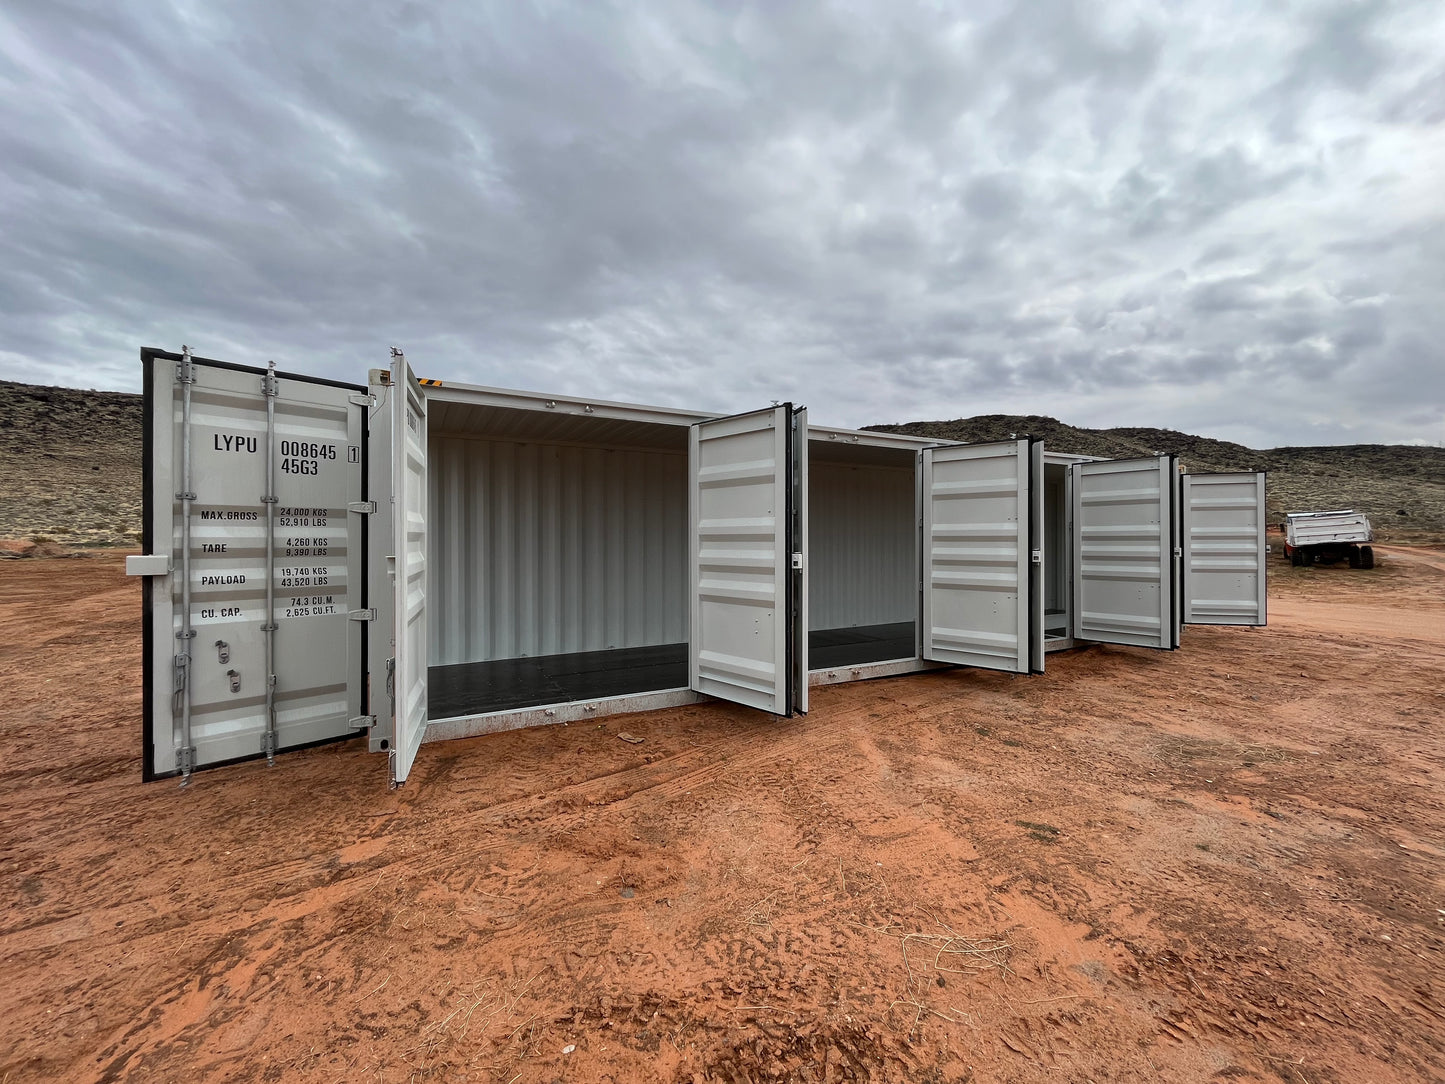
(186, 376)
(268, 388)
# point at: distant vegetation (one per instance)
(70, 465)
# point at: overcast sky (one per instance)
(1222, 218)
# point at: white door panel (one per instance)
(976, 513)
(1037, 556)
(1123, 552)
(409, 516)
(1224, 549)
(249, 647)
(798, 546)
(740, 503)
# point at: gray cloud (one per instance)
(1174, 215)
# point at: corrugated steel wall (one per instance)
(543, 549)
(862, 545)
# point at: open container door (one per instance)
(1124, 552)
(745, 638)
(253, 593)
(1037, 591)
(409, 536)
(798, 560)
(1224, 548)
(977, 505)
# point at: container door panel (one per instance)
(976, 538)
(1224, 548)
(1037, 545)
(741, 639)
(798, 576)
(1124, 531)
(207, 678)
(409, 517)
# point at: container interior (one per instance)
(557, 558)
(863, 553)
(1058, 544)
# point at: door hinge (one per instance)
(360, 399)
(1178, 552)
(362, 615)
(360, 722)
(365, 508)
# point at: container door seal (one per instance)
(252, 639)
(977, 502)
(1124, 542)
(1224, 548)
(741, 636)
(409, 537)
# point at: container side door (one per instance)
(409, 516)
(976, 512)
(1224, 548)
(1037, 545)
(213, 648)
(798, 571)
(740, 643)
(1124, 552)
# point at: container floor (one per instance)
(854, 646)
(474, 688)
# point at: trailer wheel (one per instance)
(1298, 558)
(1367, 557)
(1354, 556)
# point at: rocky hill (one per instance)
(70, 466)
(1401, 487)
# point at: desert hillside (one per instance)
(70, 466)
(1401, 487)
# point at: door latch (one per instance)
(1036, 556)
(797, 564)
(235, 676)
(223, 652)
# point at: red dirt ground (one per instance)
(1223, 863)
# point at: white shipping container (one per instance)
(494, 559)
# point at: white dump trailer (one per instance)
(406, 560)
(1328, 537)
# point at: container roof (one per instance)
(507, 414)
